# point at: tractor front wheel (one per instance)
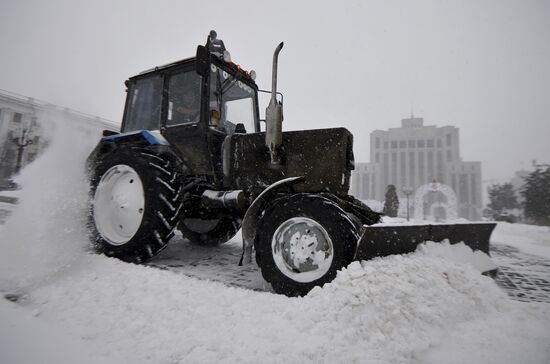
(302, 241)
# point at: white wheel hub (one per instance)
(119, 203)
(302, 249)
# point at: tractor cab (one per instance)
(195, 104)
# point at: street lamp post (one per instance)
(407, 191)
(21, 142)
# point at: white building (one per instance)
(414, 155)
(21, 138)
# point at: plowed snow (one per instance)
(416, 308)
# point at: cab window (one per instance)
(232, 100)
(144, 103)
(184, 98)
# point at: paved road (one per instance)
(213, 263)
(524, 277)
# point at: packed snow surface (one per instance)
(417, 308)
(530, 239)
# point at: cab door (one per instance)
(184, 119)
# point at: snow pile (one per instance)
(398, 306)
(395, 309)
(458, 253)
(45, 233)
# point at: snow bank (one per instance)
(44, 235)
(397, 309)
(458, 253)
(400, 305)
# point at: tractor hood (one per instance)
(324, 157)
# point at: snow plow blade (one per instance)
(380, 241)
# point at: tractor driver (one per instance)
(215, 122)
(188, 108)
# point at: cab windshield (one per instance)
(234, 102)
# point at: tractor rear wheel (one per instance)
(302, 241)
(135, 203)
(209, 232)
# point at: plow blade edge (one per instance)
(380, 241)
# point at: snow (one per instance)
(11, 193)
(431, 306)
(530, 239)
(388, 310)
(44, 234)
(374, 205)
(396, 221)
(460, 346)
(26, 339)
(458, 253)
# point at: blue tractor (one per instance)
(192, 154)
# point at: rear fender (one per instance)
(250, 220)
(151, 137)
(110, 142)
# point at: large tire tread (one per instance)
(161, 176)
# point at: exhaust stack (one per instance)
(274, 115)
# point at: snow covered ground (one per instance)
(8, 199)
(530, 239)
(5, 211)
(75, 306)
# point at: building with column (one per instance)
(21, 136)
(415, 155)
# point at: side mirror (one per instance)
(202, 60)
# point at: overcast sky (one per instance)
(482, 66)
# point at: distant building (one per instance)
(415, 155)
(21, 138)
